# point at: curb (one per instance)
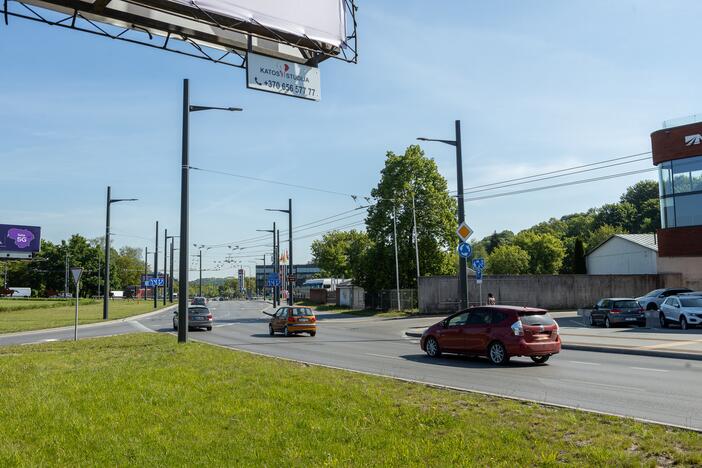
(610, 349)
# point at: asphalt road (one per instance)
(649, 388)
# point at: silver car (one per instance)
(198, 317)
(655, 298)
(684, 310)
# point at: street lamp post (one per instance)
(156, 270)
(462, 272)
(106, 297)
(184, 204)
(290, 248)
(170, 275)
(273, 262)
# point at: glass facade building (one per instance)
(680, 185)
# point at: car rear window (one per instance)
(626, 304)
(691, 302)
(302, 312)
(198, 310)
(531, 318)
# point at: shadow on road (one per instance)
(467, 362)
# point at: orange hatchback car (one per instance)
(292, 320)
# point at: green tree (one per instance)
(616, 214)
(546, 251)
(507, 260)
(497, 239)
(640, 193)
(339, 253)
(405, 176)
(579, 267)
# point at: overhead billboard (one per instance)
(309, 30)
(19, 241)
(283, 77)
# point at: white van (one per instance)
(21, 292)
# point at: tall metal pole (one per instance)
(416, 241)
(146, 270)
(99, 273)
(397, 265)
(106, 297)
(263, 282)
(277, 265)
(184, 255)
(156, 269)
(65, 286)
(273, 264)
(462, 273)
(199, 293)
(170, 279)
(291, 271)
(75, 322)
(165, 264)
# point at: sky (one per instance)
(538, 86)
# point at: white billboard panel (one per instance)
(283, 77)
(319, 20)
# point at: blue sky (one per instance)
(538, 86)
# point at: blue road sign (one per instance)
(464, 249)
(478, 275)
(478, 263)
(273, 280)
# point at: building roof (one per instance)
(644, 240)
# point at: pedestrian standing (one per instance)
(491, 299)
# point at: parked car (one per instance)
(198, 300)
(199, 316)
(693, 293)
(292, 320)
(613, 311)
(655, 298)
(498, 332)
(684, 310)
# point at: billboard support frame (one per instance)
(312, 52)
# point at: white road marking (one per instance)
(384, 356)
(586, 363)
(49, 339)
(648, 369)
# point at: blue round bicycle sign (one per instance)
(464, 249)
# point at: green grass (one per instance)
(22, 315)
(144, 400)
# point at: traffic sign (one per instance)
(291, 278)
(478, 263)
(273, 280)
(464, 231)
(479, 276)
(76, 272)
(464, 249)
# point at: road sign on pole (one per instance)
(464, 231)
(76, 272)
(479, 276)
(464, 250)
(478, 263)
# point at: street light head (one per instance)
(422, 139)
(235, 109)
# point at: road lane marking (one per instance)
(586, 363)
(384, 356)
(50, 339)
(617, 387)
(648, 369)
(671, 345)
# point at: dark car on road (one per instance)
(653, 299)
(612, 311)
(498, 332)
(199, 316)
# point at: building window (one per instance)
(680, 186)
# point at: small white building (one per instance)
(624, 254)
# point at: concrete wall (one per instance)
(439, 294)
(689, 267)
(619, 256)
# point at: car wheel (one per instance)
(652, 306)
(540, 359)
(313, 333)
(664, 322)
(432, 347)
(608, 324)
(270, 330)
(285, 331)
(683, 323)
(497, 353)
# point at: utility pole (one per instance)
(106, 297)
(165, 264)
(291, 272)
(263, 282)
(146, 270)
(397, 265)
(156, 269)
(99, 268)
(65, 284)
(277, 265)
(416, 241)
(200, 287)
(170, 279)
(462, 271)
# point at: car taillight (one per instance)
(557, 331)
(313, 319)
(615, 311)
(517, 328)
(209, 317)
(291, 319)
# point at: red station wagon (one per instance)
(498, 332)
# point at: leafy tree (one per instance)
(601, 234)
(404, 176)
(640, 193)
(497, 239)
(579, 267)
(339, 253)
(616, 214)
(507, 260)
(545, 251)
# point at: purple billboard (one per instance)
(15, 238)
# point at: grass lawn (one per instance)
(22, 315)
(144, 400)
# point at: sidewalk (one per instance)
(660, 342)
